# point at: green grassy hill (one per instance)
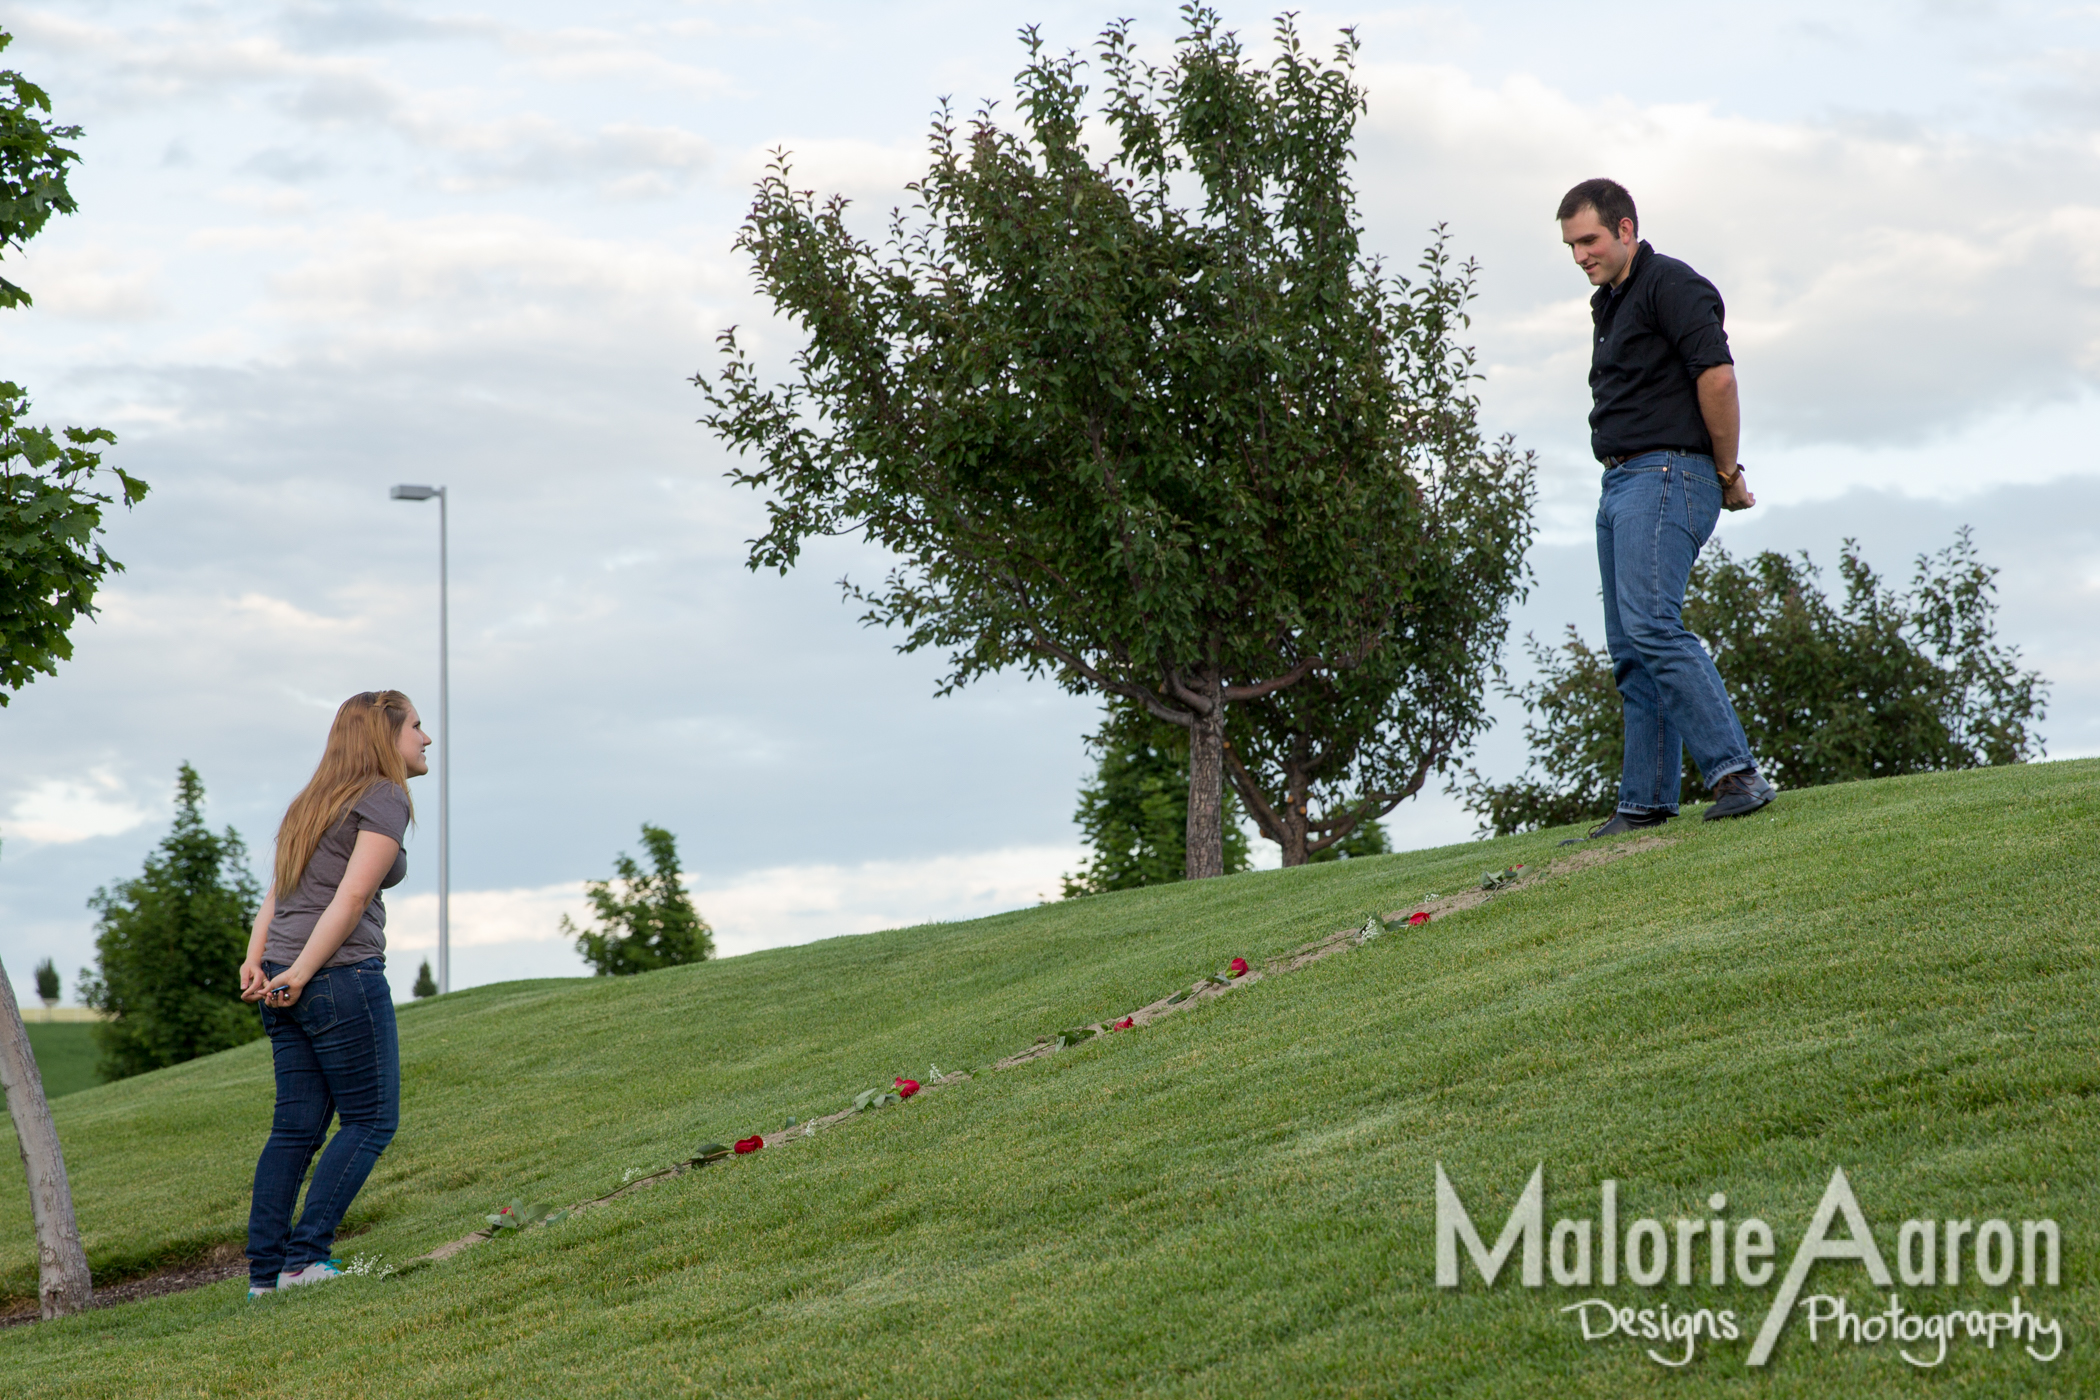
(65, 1056)
(1896, 978)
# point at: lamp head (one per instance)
(413, 493)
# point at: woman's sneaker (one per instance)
(261, 1291)
(320, 1271)
(1739, 794)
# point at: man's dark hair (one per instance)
(1607, 197)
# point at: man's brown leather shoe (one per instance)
(1739, 794)
(1620, 824)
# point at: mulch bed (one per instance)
(223, 1263)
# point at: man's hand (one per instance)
(1735, 492)
(1724, 424)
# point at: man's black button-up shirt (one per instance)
(1656, 333)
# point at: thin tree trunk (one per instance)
(1297, 819)
(1206, 829)
(1294, 843)
(63, 1286)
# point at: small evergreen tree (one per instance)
(47, 985)
(650, 923)
(426, 985)
(169, 944)
(1135, 812)
(1880, 684)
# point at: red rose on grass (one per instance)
(907, 1087)
(1237, 967)
(1125, 1024)
(1420, 917)
(750, 1144)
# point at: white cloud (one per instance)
(624, 159)
(94, 281)
(768, 908)
(797, 903)
(1884, 286)
(870, 173)
(207, 61)
(431, 285)
(577, 55)
(61, 811)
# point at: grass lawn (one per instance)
(65, 1056)
(1897, 978)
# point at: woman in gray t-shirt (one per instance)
(316, 961)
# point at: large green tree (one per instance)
(51, 562)
(168, 947)
(1146, 418)
(1881, 683)
(649, 922)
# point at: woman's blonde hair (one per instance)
(364, 747)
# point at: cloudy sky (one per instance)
(325, 248)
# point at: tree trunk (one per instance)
(1206, 830)
(1297, 795)
(1294, 846)
(63, 1286)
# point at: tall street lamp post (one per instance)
(424, 493)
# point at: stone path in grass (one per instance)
(226, 1262)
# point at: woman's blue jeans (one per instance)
(337, 1055)
(1657, 511)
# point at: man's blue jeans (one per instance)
(1657, 511)
(336, 1054)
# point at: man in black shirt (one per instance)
(1665, 423)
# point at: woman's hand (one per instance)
(370, 859)
(284, 988)
(253, 980)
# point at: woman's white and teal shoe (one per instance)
(320, 1271)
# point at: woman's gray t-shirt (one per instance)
(384, 809)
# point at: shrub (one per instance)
(650, 923)
(1881, 684)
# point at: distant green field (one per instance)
(1895, 978)
(65, 1056)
